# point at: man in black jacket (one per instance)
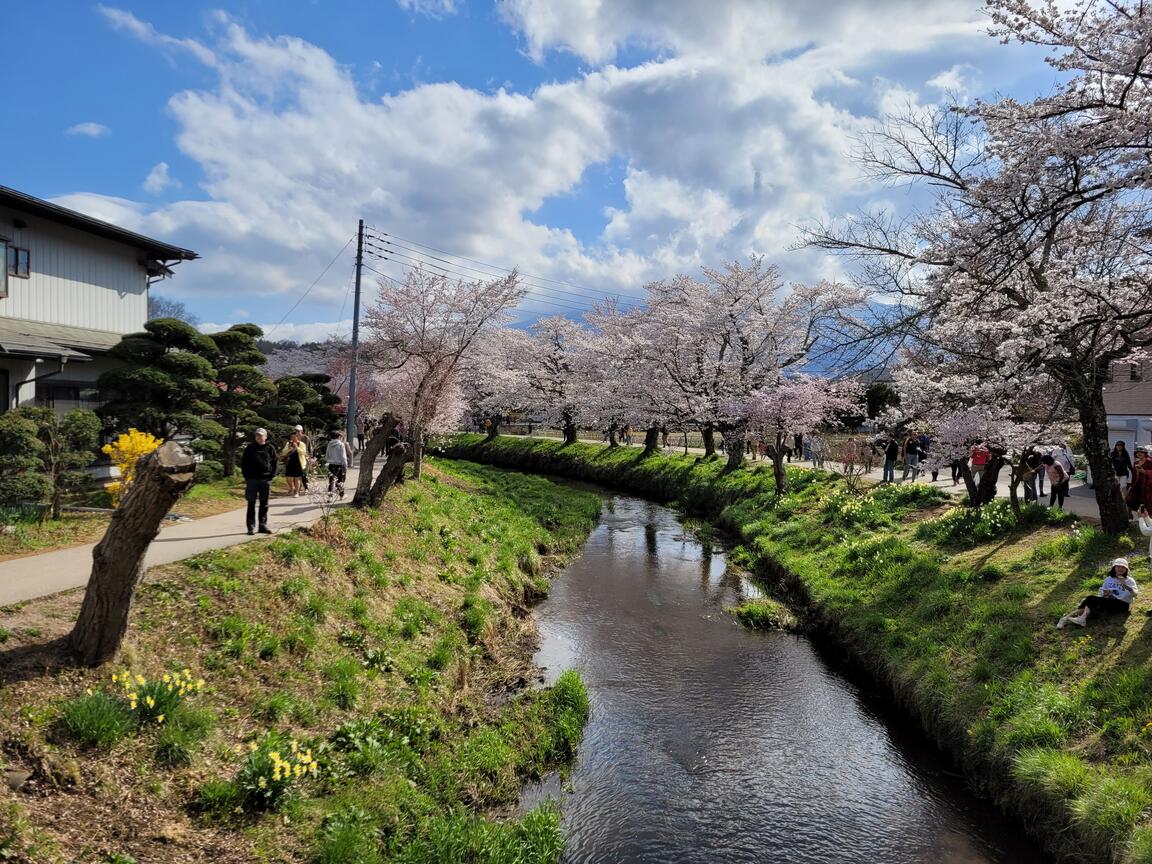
(258, 465)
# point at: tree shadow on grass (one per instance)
(38, 660)
(1140, 651)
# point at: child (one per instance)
(1115, 597)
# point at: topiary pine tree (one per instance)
(167, 383)
(244, 390)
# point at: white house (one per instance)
(70, 287)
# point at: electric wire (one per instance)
(310, 287)
(580, 291)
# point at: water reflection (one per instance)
(709, 743)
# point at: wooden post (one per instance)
(118, 559)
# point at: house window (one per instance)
(64, 396)
(1135, 372)
(18, 262)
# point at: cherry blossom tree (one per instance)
(1033, 262)
(796, 405)
(423, 327)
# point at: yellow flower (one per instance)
(252, 746)
(89, 691)
(261, 782)
(159, 718)
(166, 678)
(141, 680)
(149, 701)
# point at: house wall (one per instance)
(75, 278)
(1128, 401)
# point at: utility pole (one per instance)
(351, 418)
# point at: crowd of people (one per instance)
(297, 459)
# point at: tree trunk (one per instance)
(988, 480)
(1089, 401)
(417, 454)
(709, 436)
(779, 474)
(228, 455)
(569, 432)
(1017, 472)
(390, 474)
(651, 440)
(734, 444)
(372, 449)
(494, 429)
(612, 441)
(118, 559)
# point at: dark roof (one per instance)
(63, 216)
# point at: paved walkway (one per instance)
(51, 572)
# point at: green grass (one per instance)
(391, 645)
(763, 613)
(96, 720)
(954, 608)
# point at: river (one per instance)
(712, 743)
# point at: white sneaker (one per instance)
(1063, 622)
(1079, 622)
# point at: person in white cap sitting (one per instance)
(1114, 598)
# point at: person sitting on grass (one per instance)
(1115, 597)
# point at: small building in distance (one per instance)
(70, 287)
(1128, 401)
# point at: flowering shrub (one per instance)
(273, 766)
(845, 508)
(124, 453)
(154, 701)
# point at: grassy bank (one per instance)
(353, 693)
(955, 612)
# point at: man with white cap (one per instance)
(258, 465)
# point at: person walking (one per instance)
(361, 429)
(911, 458)
(817, 445)
(797, 445)
(294, 455)
(1122, 464)
(891, 454)
(1139, 492)
(851, 454)
(1064, 453)
(258, 467)
(1058, 480)
(925, 441)
(338, 455)
(1114, 597)
(307, 442)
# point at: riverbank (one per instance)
(955, 614)
(354, 692)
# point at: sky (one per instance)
(595, 146)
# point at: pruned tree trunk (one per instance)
(779, 474)
(734, 444)
(494, 429)
(651, 440)
(391, 474)
(373, 447)
(118, 559)
(709, 436)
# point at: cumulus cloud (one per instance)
(431, 8)
(729, 138)
(88, 130)
(958, 80)
(158, 179)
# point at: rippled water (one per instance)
(710, 743)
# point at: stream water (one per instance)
(712, 743)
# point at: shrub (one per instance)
(964, 527)
(96, 720)
(125, 452)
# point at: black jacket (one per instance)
(258, 461)
(892, 450)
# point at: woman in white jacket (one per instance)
(1114, 598)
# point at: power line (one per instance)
(315, 281)
(392, 255)
(580, 291)
(558, 304)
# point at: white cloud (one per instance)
(431, 8)
(958, 81)
(158, 179)
(88, 130)
(724, 152)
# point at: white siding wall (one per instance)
(76, 279)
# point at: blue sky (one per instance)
(600, 145)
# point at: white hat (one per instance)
(1121, 562)
(298, 428)
(262, 431)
